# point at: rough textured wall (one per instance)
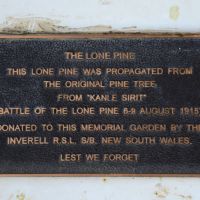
(63, 16)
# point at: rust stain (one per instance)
(161, 191)
(174, 12)
(20, 196)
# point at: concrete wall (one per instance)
(63, 16)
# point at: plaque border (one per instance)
(109, 35)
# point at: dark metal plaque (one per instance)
(89, 106)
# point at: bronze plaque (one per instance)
(100, 105)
